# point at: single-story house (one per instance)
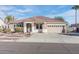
(42, 24)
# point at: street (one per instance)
(37, 48)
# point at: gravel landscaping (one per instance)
(12, 36)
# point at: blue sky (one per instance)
(26, 11)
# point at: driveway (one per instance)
(50, 38)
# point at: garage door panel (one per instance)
(55, 29)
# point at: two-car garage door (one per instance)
(55, 28)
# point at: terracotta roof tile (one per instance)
(39, 18)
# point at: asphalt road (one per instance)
(38, 48)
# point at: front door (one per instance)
(39, 27)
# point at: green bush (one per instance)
(19, 29)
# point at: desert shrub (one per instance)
(7, 30)
(1, 30)
(19, 29)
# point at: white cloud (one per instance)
(62, 6)
(69, 16)
(4, 10)
(24, 11)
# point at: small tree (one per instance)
(8, 20)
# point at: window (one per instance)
(52, 25)
(58, 26)
(48, 25)
(55, 26)
(40, 26)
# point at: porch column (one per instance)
(44, 27)
(33, 27)
(24, 27)
(65, 28)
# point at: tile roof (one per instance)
(38, 19)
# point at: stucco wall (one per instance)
(54, 28)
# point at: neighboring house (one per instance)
(73, 26)
(42, 24)
(2, 24)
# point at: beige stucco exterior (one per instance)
(43, 24)
(53, 28)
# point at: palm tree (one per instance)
(8, 20)
(76, 7)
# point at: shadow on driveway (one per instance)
(71, 34)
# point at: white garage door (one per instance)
(55, 29)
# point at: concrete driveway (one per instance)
(50, 38)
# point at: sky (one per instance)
(27, 11)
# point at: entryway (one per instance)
(29, 27)
(39, 27)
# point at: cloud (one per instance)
(69, 16)
(4, 10)
(13, 10)
(62, 6)
(24, 11)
